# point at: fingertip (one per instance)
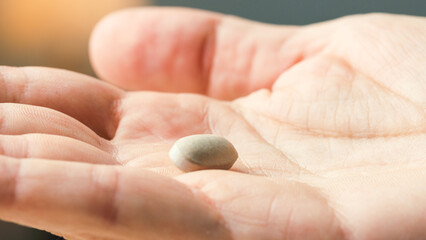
(100, 51)
(151, 48)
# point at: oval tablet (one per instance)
(203, 151)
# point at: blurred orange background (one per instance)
(52, 33)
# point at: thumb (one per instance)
(185, 50)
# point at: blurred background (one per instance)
(56, 33)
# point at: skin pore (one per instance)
(328, 120)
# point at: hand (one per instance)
(331, 137)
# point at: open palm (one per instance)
(328, 120)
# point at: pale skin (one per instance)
(328, 119)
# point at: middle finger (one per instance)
(16, 119)
(52, 147)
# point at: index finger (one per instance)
(86, 99)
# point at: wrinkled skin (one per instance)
(328, 119)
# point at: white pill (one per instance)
(203, 151)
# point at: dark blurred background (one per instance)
(56, 33)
